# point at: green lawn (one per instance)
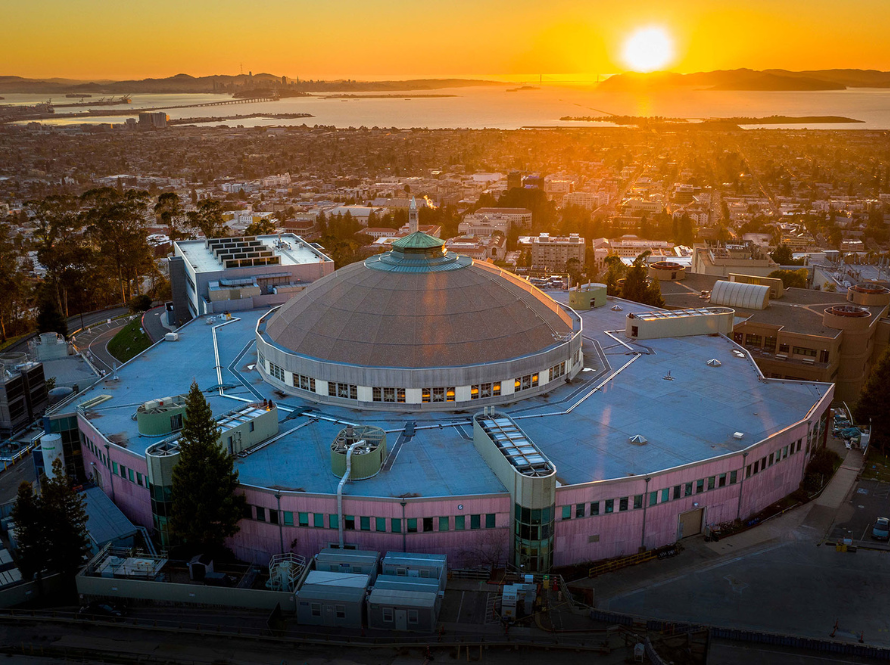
(130, 341)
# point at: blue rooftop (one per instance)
(690, 417)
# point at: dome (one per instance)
(419, 327)
(419, 306)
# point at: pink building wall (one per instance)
(133, 500)
(257, 541)
(616, 534)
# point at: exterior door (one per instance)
(401, 620)
(690, 523)
(329, 616)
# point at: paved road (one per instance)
(94, 342)
(74, 323)
(13, 476)
(151, 323)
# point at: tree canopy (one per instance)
(206, 506)
(637, 285)
(873, 405)
(792, 278)
(51, 528)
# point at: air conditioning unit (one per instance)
(172, 337)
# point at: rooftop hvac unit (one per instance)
(738, 436)
(172, 337)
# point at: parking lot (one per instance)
(870, 500)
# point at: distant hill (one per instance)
(184, 83)
(736, 79)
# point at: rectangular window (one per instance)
(677, 492)
(622, 504)
(349, 522)
(412, 616)
(365, 523)
(412, 525)
(427, 524)
(444, 523)
(114, 468)
(610, 506)
(318, 520)
(653, 498)
(123, 471)
(665, 495)
(804, 351)
(595, 508)
(342, 390)
(712, 482)
(756, 467)
(721, 480)
(395, 525)
(699, 486)
(315, 608)
(260, 514)
(482, 390)
(567, 512)
(273, 516)
(387, 614)
(638, 501)
(341, 611)
(138, 478)
(276, 371)
(748, 471)
(771, 455)
(490, 521)
(475, 521)
(392, 395)
(496, 388)
(334, 521)
(733, 477)
(288, 517)
(302, 519)
(460, 522)
(380, 524)
(579, 510)
(784, 452)
(687, 489)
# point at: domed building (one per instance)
(419, 326)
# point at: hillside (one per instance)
(184, 83)
(736, 79)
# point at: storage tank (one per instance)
(366, 458)
(51, 446)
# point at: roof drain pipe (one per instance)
(340, 487)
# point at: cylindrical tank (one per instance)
(366, 459)
(51, 446)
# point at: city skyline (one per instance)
(565, 39)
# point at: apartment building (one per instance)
(553, 252)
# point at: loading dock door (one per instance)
(690, 523)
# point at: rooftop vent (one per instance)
(668, 377)
(713, 362)
(616, 308)
(738, 353)
(738, 436)
(638, 440)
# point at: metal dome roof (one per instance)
(379, 314)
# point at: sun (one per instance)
(648, 49)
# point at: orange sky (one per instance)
(374, 39)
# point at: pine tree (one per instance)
(874, 403)
(65, 518)
(206, 508)
(31, 532)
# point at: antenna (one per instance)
(242, 69)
